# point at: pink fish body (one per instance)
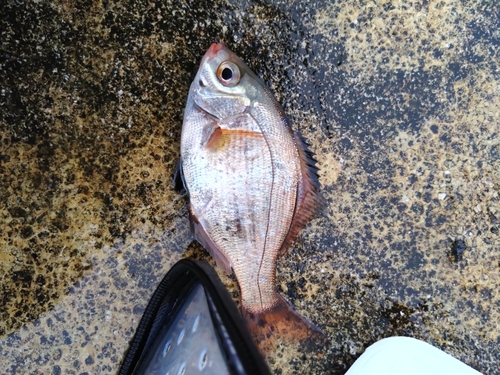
(252, 184)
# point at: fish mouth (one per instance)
(212, 54)
(214, 49)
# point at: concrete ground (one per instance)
(400, 101)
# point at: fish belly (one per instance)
(243, 191)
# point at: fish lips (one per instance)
(218, 50)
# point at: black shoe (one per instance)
(191, 326)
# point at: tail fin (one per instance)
(281, 323)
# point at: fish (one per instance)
(252, 185)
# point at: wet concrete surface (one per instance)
(399, 100)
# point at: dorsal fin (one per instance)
(309, 200)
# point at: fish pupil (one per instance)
(227, 74)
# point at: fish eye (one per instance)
(228, 73)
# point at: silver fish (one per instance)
(252, 185)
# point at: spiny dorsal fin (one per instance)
(309, 199)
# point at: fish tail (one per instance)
(281, 322)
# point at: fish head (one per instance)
(224, 85)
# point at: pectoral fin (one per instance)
(218, 133)
(214, 137)
(242, 125)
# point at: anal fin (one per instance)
(202, 237)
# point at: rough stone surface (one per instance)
(400, 100)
